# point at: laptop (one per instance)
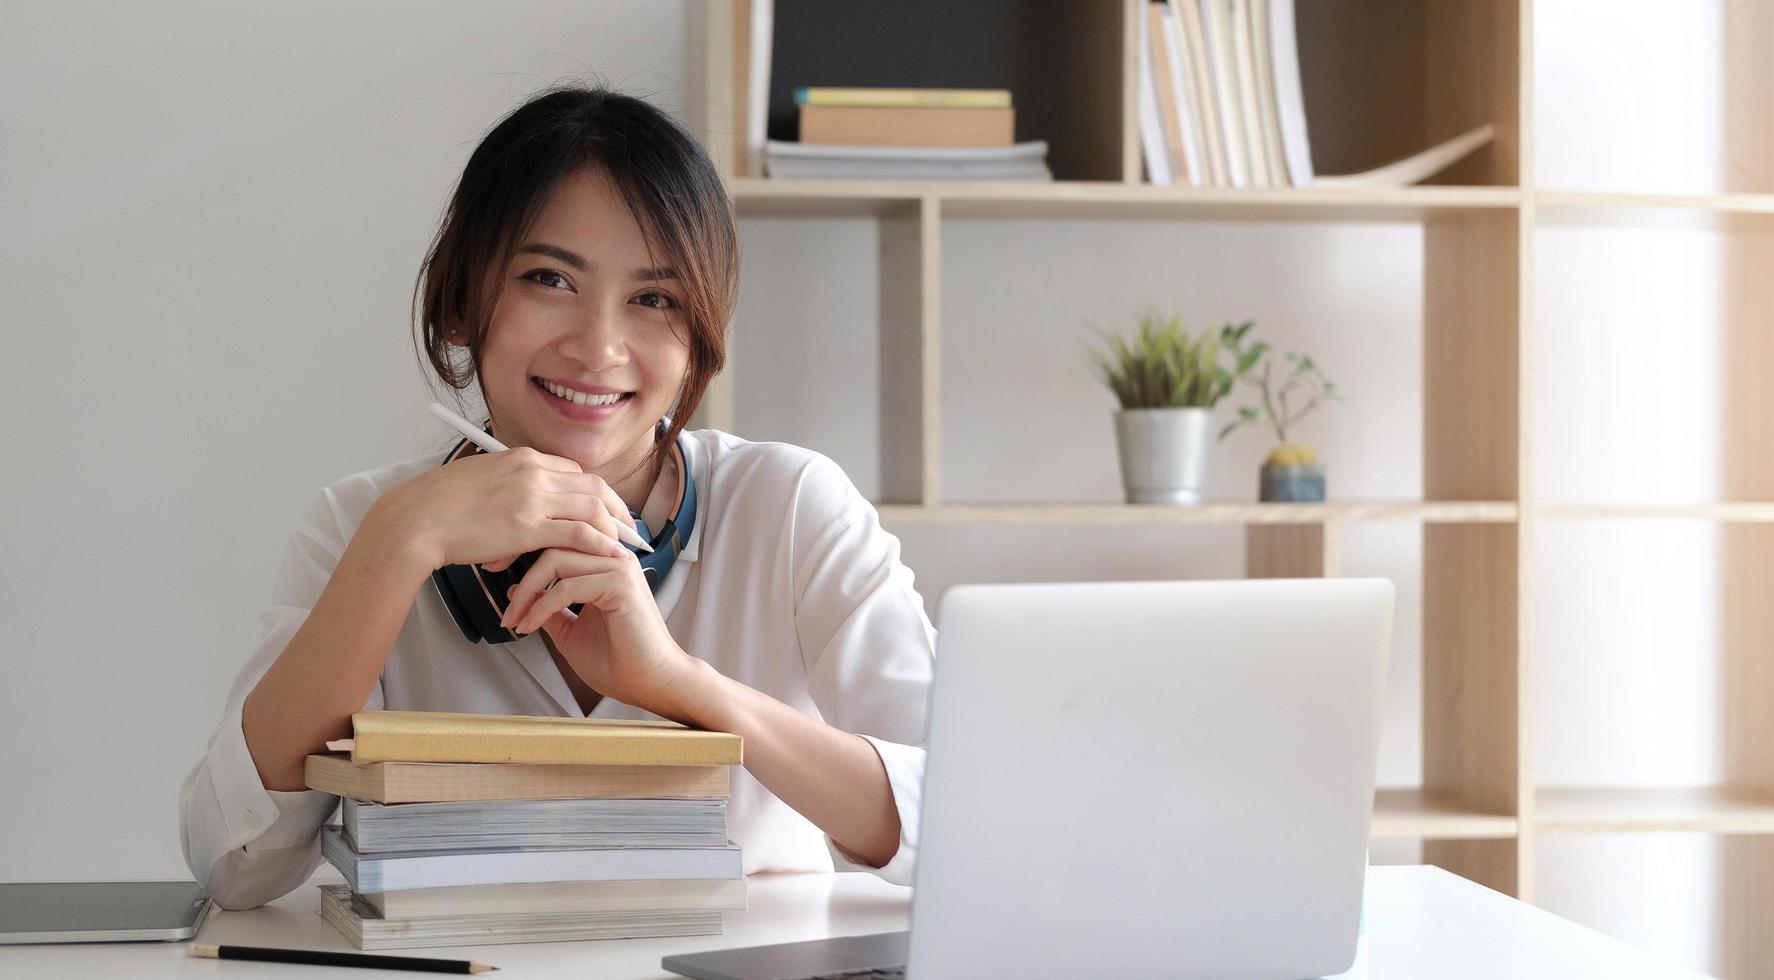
(101, 911)
(1134, 779)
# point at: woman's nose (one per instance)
(597, 339)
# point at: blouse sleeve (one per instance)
(248, 844)
(869, 648)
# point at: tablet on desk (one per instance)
(100, 911)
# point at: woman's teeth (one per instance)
(580, 397)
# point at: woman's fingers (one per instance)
(594, 512)
(589, 586)
(593, 486)
(539, 596)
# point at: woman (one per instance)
(583, 276)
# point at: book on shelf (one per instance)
(446, 782)
(442, 736)
(910, 134)
(907, 126)
(1020, 161)
(1158, 69)
(360, 923)
(882, 97)
(1230, 70)
(1250, 117)
(1183, 86)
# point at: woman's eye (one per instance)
(547, 277)
(665, 300)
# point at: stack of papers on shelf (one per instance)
(1021, 161)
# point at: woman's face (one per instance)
(584, 307)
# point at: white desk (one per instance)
(1422, 922)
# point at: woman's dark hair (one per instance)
(658, 169)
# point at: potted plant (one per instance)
(1291, 471)
(1167, 382)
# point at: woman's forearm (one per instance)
(833, 778)
(328, 669)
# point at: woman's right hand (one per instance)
(491, 506)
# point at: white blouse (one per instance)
(788, 584)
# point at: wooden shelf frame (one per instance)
(1478, 811)
(1625, 810)
(1108, 513)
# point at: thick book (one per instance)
(360, 924)
(544, 897)
(907, 126)
(951, 98)
(445, 782)
(509, 865)
(373, 828)
(442, 736)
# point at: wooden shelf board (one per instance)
(1573, 200)
(1442, 512)
(1610, 810)
(1415, 813)
(1728, 212)
(762, 196)
(1743, 512)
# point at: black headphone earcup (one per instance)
(454, 583)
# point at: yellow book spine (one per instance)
(400, 736)
(544, 750)
(951, 98)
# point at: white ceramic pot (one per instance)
(1163, 453)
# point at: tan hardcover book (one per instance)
(458, 782)
(441, 736)
(550, 897)
(889, 126)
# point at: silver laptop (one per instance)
(100, 911)
(1134, 779)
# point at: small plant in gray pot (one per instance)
(1167, 381)
(1291, 471)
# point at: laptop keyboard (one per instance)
(876, 973)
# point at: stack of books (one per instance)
(1221, 105)
(899, 133)
(461, 829)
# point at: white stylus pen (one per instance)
(493, 445)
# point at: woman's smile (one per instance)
(580, 407)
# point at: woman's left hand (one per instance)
(619, 644)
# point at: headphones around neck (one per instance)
(476, 599)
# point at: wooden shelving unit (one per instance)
(1439, 68)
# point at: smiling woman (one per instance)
(583, 275)
(629, 244)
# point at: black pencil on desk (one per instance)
(315, 957)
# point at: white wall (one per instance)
(209, 230)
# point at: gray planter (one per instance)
(1163, 453)
(1291, 484)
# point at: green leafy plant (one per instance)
(1285, 401)
(1166, 366)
